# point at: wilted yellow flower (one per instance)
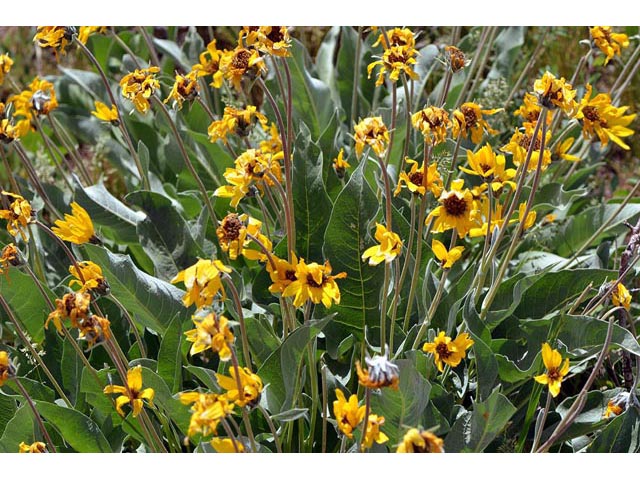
(131, 393)
(381, 372)
(75, 228)
(210, 64)
(447, 257)
(226, 445)
(57, 38)
(236, 64)
(433, 123)
(185, 88)
(600, 118)
(531, 216)
(340, 165)
(7, 370)
(212, 332)
(621, 297)
(554, 93)
(556, 371)
(139, 85)
(39, 99)
(235, 121)
(10, 256)
(94, 329)
(390, 246)
(519, 145)
(347, 413)
(468, 119)
(617, 405)
(35, 447)
(398, 37)
(251, 387)
(530, 112)
(202, 281)
(74, 306)
(415, 181)
(5, 66)
(271, 40)
(8, 132)
(497, 219)
(448, 351)
(92, 280)
(609, 43)
(373, 433)
(456, 210)
(562, 149)
(420, 441)
(283, 274)
(18, 216)
(85, 32)
(314, 282)
(273, 143)
(233, 237)
(371, 131)
(395, 61)
(206, 412)
(455, 58)
(105, 113)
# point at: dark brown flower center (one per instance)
(240, 60)
(312, 283)
(443, 350)
(231, 227)
(470, 117)
(290, 275)
(525, 142)
(456, 207)
(591, 113)
(416, 178)
(275, 35)
(554, 374)
(456, 58)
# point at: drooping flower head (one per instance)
(271, 40)
(251, 386)
(89, 278)
(519, 145)
(529, 220)
(210, 64)
(448, 351)
(35, 447)
(456, 210)
(212, 332)
(18, 215)
(340, 165)
(7, 370)
(433, 123)
(72, 306)
(621, 297)
(420, 441)
(235, 236)
(185, 89)
(57, 38)
(5, 66)
(94, 330)
(468, 119)
(10, 256)
(207, 410)
(235, 121)
(416, 182)
(348, 414)
(373, 132)
(105, 113)
(240, 63)
(132, 392)
(455, 58)
(381, 372)
(372, 432)
(530, 112)
(75, 228)
(139, 85)
(390, 246)
(202, 281)
(609, 43)
(395, 61)
(314, 282)
(85, 32)
(447, 257)
(555, 93)
(556, 370)
(617, 405)
(38, 99)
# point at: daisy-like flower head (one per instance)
(226, 445)
(94, 330)
(74, 306)
(556, 370)
(527, 222)
(139, 85)
(348, 414)
(273, 143)
(468, 119)
(519, 145)
(10, 256)
(456, 210)
(212, 332)
(420, 441)
(314, 282)
(398, 37)
(381, 372)
(76, 228)
(395, 61)
(497, 218)
(555, 93)
(185, 89)
(8, 132)
(447, 257)
(251, 386)
(5, 66)
(207, 409)
(373, 132)
(373, 433)
(106, 114)
(235, 121)
(621, 297)
(433, 123)
(530, 111)
(7, 370)
(210, 64)
(18, 215)
(272, 40)
(85, 32)
(35, 447)
(600, 118)
(390, 246)
(340, 165)
(38, 99)
(491, 167)
(455, 58)
(132, 392)
(416, 182)
(202, 281)
(241, 63)
(89, 279)
(448, 351)
(617, 405)
(234, 235)
(283, 274)
(609, 43)
(57, 38)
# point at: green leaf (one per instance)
(291, 415)
(143, 155)
(152, 302)
(78, 430)
(173, 50)
(346, 238)
(205, 375)
(164, 400)
(71, 370)
(312, 206)
(262, 339)
(487, 366)
(508, 47)
(475, 430)
(18, 429)
(170, 355)
(621, 435)
(7, 411)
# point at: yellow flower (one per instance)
(92, 280)
(235, 121)
(39, 98)
(347, 413)
(390, 247)
(185, 88)
(456, 210)
(371, 131)
(271, 40)
(468, 119)
(283, 274)
(94, 330)
(497, 219)
(206, 412)
(226, 445)
(447, 257)
(556, 371)
(490, 167)
(5, 66)
(373, 433)
(236, 64)
(10, 256)
(621, 297)
(531, 216)
(555, 93)
(530, 111)
(395, 60)
(617, 405)
(212, 332)
(57, 38)
(519, 145)
(398, 37)
(455, 58)
(340, 165)
(7, 370)
(202, 281)
(609, 43)
(448, 351)
(18, 216)
(381, 372)
(600, 118)
(74, 306)
(75, 228)
(562, 149)
(35, 447)
(139, 85)
(420, 441)
(233, 236)
(131, 393)
(251, 387)
(272, 144)
(433, 123)
(8, 132)
(85, 32)
(416, 182)
(314, 282)
(106, 114)
(210, 64)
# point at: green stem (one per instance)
(246, 354)
(36, 415)
(272, 427)
(132, 325)
(540, 425)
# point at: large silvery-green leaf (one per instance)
(311, 204)
(151, 301)
(18, 429)
(346, 238)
